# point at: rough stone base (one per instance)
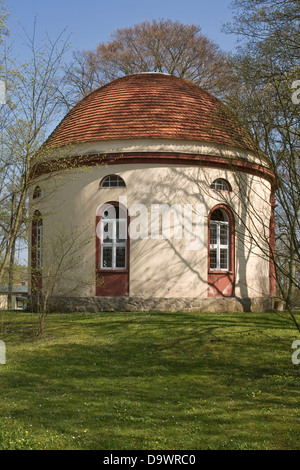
(142, 304)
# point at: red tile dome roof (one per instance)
(150, 105)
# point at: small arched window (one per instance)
(221, 185)
(37, 192)
(112, 181)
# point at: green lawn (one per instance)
(150, 381)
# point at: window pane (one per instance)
(219, 245)
(106, 257)
(224, 234)
(120, 257)
(113, 238)
(39, 240)
(110, 212)
(213, 234)
(213, 259)
(219, 215)
(121, 231)
(37, 192)
(107, 232)
(113, 181)
(223, 258)
(220, 185)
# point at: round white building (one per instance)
(149, 195)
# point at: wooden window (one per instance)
(36, 253)
(220, 185)
(37, 192)
(113, 181)
(113, 239)
(219, 241)
(39, 243)
(112, 250)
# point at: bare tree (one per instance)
(63, 252)
(266, 66)
(4, 13)
(32, 107)
(159, 46)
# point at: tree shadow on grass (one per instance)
(141, 371)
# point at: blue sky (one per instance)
(92, 21)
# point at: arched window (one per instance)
(221, 185)
(221, 252)
(36, 252)
(39, 243)
(113, 238)
(219, 241)
(37, 240)
(112, 250)
(112, 181)
(37, 192)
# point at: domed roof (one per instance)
(150, 106)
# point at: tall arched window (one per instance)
(39, 243)
(36, 252)
(113, 238)
(219, 241)
(112, 250)
(221, 252)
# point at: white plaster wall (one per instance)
(153, 145)
(158, 267)
(4, 302)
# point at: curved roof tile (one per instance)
(150, 105)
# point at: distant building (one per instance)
(138, 162)
(19, 296)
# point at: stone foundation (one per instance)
(148, 304)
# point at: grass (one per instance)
(149, 381)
